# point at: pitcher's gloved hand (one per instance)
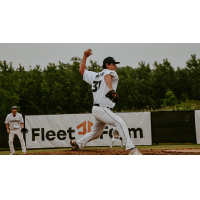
(113, 96)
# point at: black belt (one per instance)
(99, 105)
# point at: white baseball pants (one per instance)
(103, 116)
(12, 134)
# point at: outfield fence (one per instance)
(165, 127)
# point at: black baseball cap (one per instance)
(14, 107)
(110, 60)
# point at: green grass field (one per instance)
(161, 146)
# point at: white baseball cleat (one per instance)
(134, 151)
(24, 153)
(12, 153)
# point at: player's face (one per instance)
(112, 66)
(14, 111)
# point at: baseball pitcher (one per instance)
(104, 85)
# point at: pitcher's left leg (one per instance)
(123, 131)
(116, 121)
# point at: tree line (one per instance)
(60, 89)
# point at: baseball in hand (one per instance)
(90, 52)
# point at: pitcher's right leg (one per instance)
(98, 128)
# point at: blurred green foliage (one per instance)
(60, 89)
(170, 99)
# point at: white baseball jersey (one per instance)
(99, 86)
(14, 122)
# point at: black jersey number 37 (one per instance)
(96, 85)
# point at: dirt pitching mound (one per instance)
(187, 151)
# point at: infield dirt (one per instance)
(183, 151)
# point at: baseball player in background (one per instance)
(14, 122)
(115, 135)
(103, 83)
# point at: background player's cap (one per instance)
(110, 60)
(14, 107)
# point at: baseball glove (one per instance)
(24, 130)
(111, 95)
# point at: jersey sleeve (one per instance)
(89, 76)
(21, 119)
(113, 73)
(7, 120)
